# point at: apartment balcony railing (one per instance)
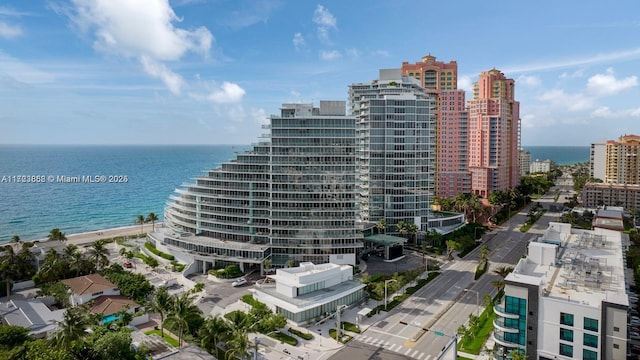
(499, 324)
(500, 311)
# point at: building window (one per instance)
(616, 346)
(616, 329)
(590, 324)
(566, 350)
(566, 334)
(590, 340)
(589, 355)
(566, 319)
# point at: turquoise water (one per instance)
(110, 318)
(31, 210)
(562, 155)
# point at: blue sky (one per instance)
(211, 71)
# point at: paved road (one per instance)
(444, 305)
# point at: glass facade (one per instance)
(507, 341)
(566, 319)
(290, 197)
(590, 324)
(395, 132)
(321, 310)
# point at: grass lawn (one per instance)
(473, 346)
(171, 341)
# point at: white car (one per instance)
(239, 282)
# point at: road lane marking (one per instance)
(408, 351)
(414, 354)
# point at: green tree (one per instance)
(517, 355)
(8, 262)
(267, 266)
(113, 345)
(412, 231)
(152, 218)
(161, 303)
(291, 263)
(484, 253)
(73, 327)
(58, 290)
(15, 239)
(99, 253)
(487, 301)
(183, 310)
(401, 227)
(214, 330)
(41, 349)
(452, 245)
(381, 225)
(140, 220)
(238, 345)
(13, 336)
(56, 234)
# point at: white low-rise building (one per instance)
(33, 314)
(310, 291)
(567, 299)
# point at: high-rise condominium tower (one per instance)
(395, 133)
(441, 80)
(292, 197)
(622, 160)
(494, 134)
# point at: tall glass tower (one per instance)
(395, 122)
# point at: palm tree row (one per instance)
(151, 218)
(72, 263)
(175, 310)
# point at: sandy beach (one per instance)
(92, 236)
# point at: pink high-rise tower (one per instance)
(494, 134)
(439, 78)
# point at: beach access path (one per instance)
(93, 236)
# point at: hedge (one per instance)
(158, 252)
(282, 337)
(301, 334)
(481, 269)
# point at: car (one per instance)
(128, 265)
(239, 282)
(286, 352)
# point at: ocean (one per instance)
(88, 188)
(562, 155)
(31, 210)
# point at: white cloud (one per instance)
(298, 41)
(526, 80)
(158, 70)
(8, 11)
(571, 102)
(353, 52)
(576, 74)
(607, 84)
(566, 63)
(142, 30)
(330, 55)
(605, 112)
(227, 93)
(8, 31)
(259, 116)
(383, 53)
(465, 82)
(325, 21)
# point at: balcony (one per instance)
(498, 337)
(500, 311)
(499, 324)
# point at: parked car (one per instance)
(239, 282)
(128, 265)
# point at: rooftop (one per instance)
(310, 300)
(583, 266)
(111, 304)
(88, 284)
(31, 314)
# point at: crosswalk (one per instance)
(395, 347)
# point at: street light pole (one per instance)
(477, 299)
(385, 292)
(339, 308)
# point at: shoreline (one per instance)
(92, 236)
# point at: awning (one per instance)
(386, 240)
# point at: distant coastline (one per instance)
(561, 155)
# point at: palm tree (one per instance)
(381, 225)
(99, 253)
(56, 234)
(182, 312)
(517, 355)
(73, 327)
(69, 251)
(484, 252)
(238, 345)
(213, 330)
(152, 218)
(412, 231)
(451, 246)
(503, 271)
(267, 266)
(15, 239)
(401, 227)
(161, 303)
(140, 220)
